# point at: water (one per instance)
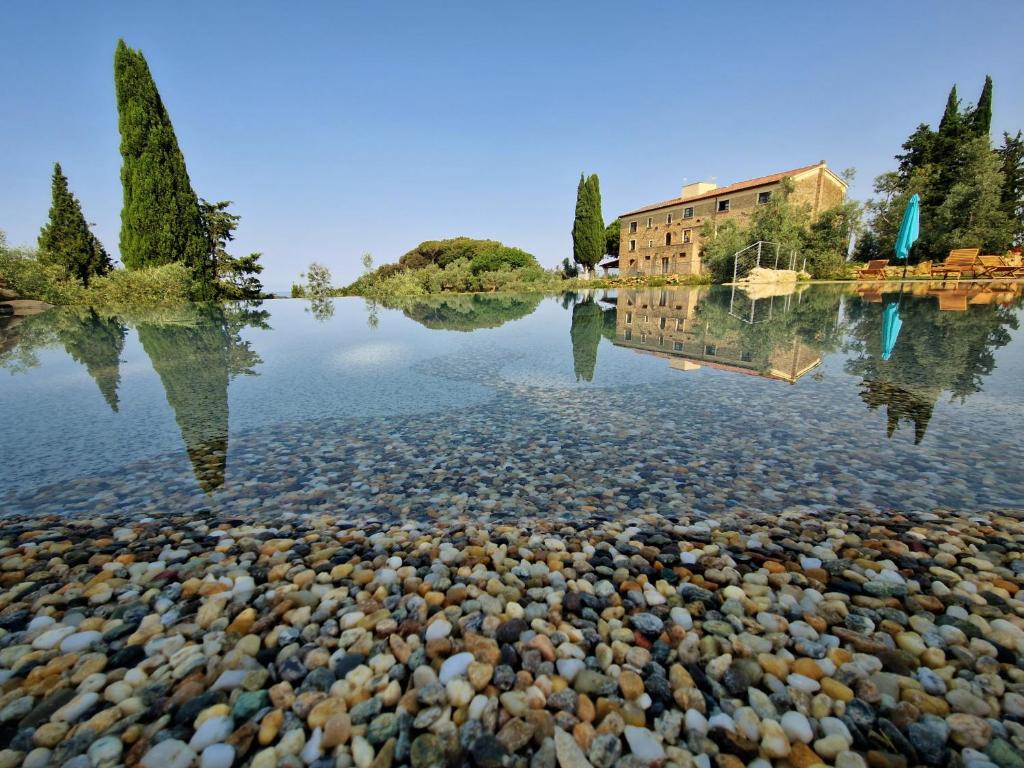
(683, 401)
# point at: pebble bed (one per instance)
(851, 639)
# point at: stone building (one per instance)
(664, 238)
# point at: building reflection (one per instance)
(732, 331)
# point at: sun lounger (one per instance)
(875, 270)
(995, 267)
(959, 262)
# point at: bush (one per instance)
(153, 286)
(502, 258)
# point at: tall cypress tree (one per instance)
(588, 226)
(981, 117)
(160, 220)
(66, 239)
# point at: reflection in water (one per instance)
(96, 342)
(468, 312)
(585, 332)
(937, 350)
(776, 337)
(195, 350)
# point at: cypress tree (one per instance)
(66, 239)
(981, 117)
(588, 226)
(160, 220)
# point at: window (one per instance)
(663, 300)
(643, 338)
(632, 245)
(661, 340)
(764, 197)
(632, 227)
(647, 257)
(664, 265)
(710, 349)
(629, 318)
(650, 222)
(688, 213)
(661, 323)
(629, 335)
(723, 206)
(747, 357)
(650, 243)
(668, 218)
(679, 323)
(668, 238)
(632, 263)
(678, 346)
(687, 235)
(682, 254)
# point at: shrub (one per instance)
(502, 258)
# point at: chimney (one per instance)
(698, 188)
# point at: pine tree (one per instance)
(588, 226)
(981, 117)
(1011, 156)
(66, 239)
(160, 220)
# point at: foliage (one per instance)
(32, 278)
(318, 290)
(588, 231)
(936, 353)
(502, 258)
(585, 334)
(1011, 156)
(236, 275)
(66, 239)
(611, 238)
(367, 261)
(569, 269)
(720, 243)
(965, 188)
(467, 312)
(161, 221)
(165, 285)
(459, 264)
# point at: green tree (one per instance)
(588, 227)
(981, 116)
(1011, 156)
(318, 290)
(96, 342)
(66, 239)
(161, 221)
(972, 213)
(237, 276)
(367, 261)
(611, 238)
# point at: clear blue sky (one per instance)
(339, 128)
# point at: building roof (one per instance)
(739, 186)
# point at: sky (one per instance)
(339, 128)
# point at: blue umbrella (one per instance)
(910, 228)
(891, 325)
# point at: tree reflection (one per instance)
(585, 333)
(96, 342)
(196, 351)
(937, 352)
(467, 312)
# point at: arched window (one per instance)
(668, 238)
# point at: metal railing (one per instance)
(763, 253)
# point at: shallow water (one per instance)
(689, 400)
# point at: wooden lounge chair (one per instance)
(875, 270)
(959, 262)
(995, 267)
